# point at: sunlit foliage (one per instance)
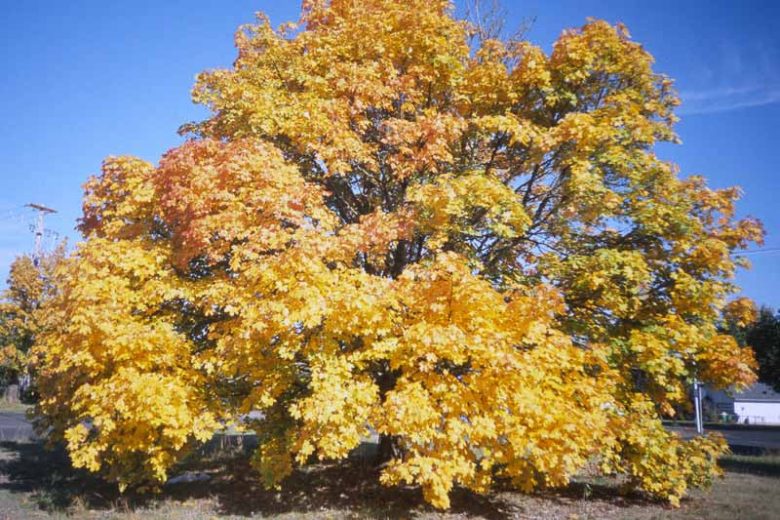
(22, 316)
(469, 248)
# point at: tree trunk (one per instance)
(388, 449)
(389, 445)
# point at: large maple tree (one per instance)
(463, 244)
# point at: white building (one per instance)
(759, 404)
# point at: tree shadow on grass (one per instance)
(350, 488)
(26, 467)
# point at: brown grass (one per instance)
(39, 484)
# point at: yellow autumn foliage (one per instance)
(470, 250)
(23, 313)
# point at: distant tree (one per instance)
(22, 317)
(763, 336)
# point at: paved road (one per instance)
(767, 439)
(14, 426)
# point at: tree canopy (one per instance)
(763, 336)
(464, 244)
(29, 287)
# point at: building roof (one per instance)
(758, 392)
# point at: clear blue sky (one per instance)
(83, 79)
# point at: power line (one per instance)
(51, 238)
(17, 214)
(14, 208)
(757, 251)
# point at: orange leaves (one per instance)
(422, 145)
(212, 194)
(376, 233)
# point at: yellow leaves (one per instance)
(119, 202)
(132, 414)
(693, 296)
(664, 369)
(520, 132)
(408, 410)
(599, 47)
(472, 398)
(434, 474)
(114, 367)
(741, 312)
(334, 416)
(659, 462)
(82, 455)
(475, 254)
(711, 254)
(12, 359)
(724, 363)
(274, 461)
(612, 279)
(291, 85)
(486, 84)
(25, 312)
(466, 205)
(532, 73)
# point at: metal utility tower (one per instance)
(39, 230)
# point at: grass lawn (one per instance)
(35, 483)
